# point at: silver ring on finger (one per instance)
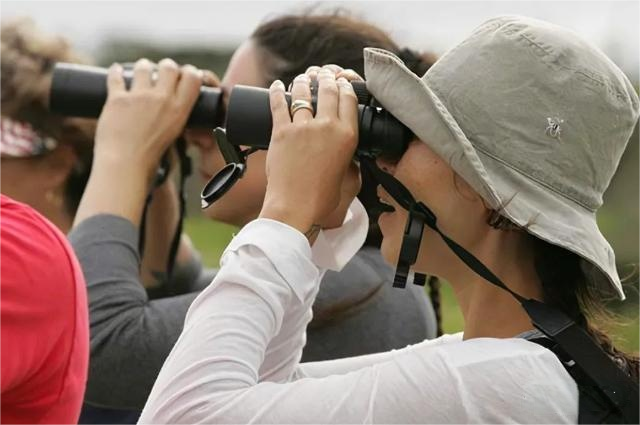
(296, 105)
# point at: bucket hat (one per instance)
(535, 120)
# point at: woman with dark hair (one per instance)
(518, 131)
(353, 307)
(133, 335)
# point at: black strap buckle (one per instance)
(409, 249)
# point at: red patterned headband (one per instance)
(20, 140)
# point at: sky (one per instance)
(424, 25)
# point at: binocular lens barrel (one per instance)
(81, 91)
(379, 133)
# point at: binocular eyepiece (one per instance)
(81, 91)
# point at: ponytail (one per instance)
(564, 286)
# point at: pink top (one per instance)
(45, 332)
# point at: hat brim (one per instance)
(539, 209)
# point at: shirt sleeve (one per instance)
(131, 336)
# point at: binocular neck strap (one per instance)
(618, 389)
(185, 172)
(162, 175)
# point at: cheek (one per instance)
(211, 160)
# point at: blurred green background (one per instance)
(618, 218)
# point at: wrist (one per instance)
(118, 189)
(119, 168)
(295, 217)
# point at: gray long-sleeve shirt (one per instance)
(357, 312)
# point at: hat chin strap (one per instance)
(615, 386)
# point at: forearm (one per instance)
(116, 188)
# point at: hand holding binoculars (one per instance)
(81, 91)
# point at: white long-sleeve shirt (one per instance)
(237, 360)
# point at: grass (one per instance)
(210, 238)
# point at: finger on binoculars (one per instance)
(142, 71)
(312, 72)
(189, 84)
(278, 103)
(327, 94)
(209, 78)
(301, 91)
(115, 82)
(347, 104)
(333, 67)
(168, 73)
(350, 75)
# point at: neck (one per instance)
(488, 310)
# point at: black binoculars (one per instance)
(81, 91)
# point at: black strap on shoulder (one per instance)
(596, 368)
(593, 407)
(617, 388)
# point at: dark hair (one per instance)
(290, 44)
(293, 43)
(28, 57)
(565, 286)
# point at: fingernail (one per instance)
(278, 84)
(302, 77)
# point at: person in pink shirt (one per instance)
(44, 320)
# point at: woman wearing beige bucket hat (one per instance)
(518, 131)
